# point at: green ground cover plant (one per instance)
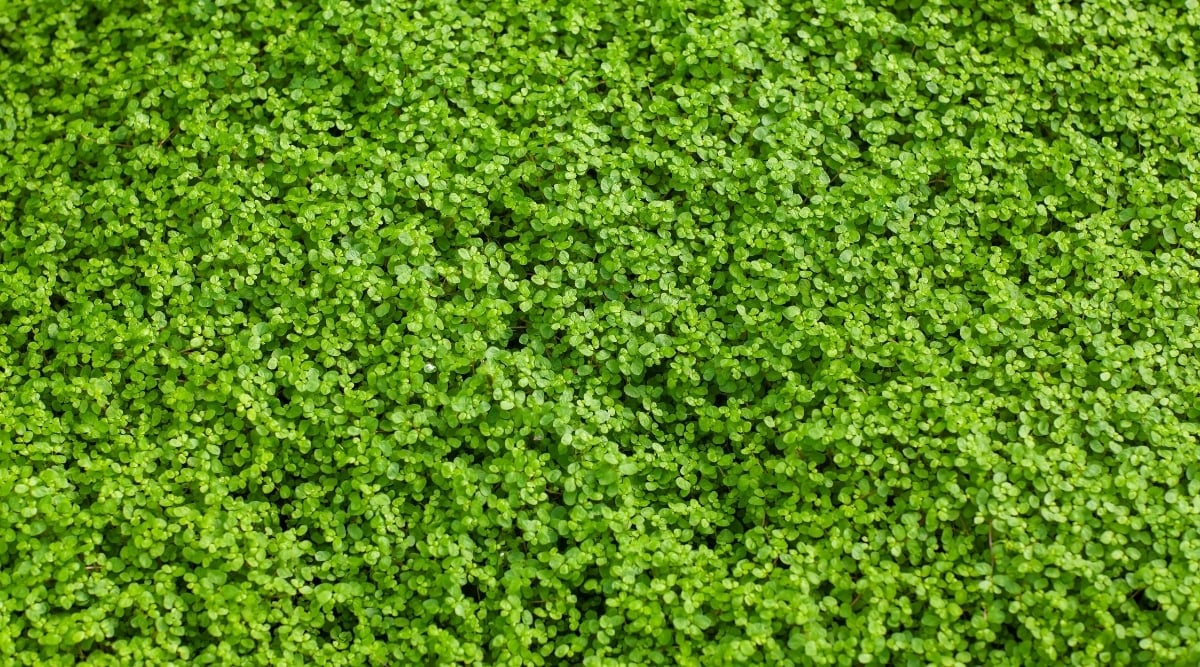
(449, 332)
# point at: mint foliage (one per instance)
(593, 333)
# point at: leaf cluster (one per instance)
(599, 333)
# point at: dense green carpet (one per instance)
(522, 333)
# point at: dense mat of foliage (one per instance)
(520, 333)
